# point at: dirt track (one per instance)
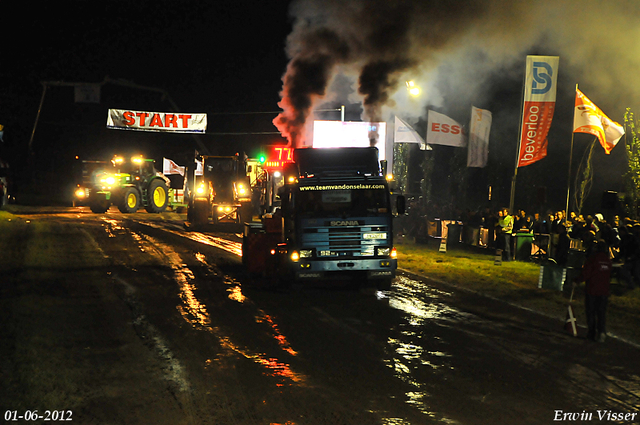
(123, 320)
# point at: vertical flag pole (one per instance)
(566, 210)
(515, 172)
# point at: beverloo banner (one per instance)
(541, 80)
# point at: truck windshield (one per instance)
(317, 201)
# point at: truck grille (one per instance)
(343, 241)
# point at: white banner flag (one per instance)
(442, 130)
(479, 129)
(169, 167)
(122, 119)
(404, 133)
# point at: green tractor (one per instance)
(130, 185)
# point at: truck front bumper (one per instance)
(321, 269)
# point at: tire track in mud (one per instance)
(172, 268)
(122, 274)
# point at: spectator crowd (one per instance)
(553, 235)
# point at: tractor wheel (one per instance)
(245, 214)
(200, 214)
(130, 200)
(157, 196)
(99, 206)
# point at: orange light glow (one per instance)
(282, 340)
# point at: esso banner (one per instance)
(124, 119)
(442, 130)
(541, 79)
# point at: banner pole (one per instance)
(35, 124)
(566, 210)
(515, 172)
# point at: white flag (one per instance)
(479, 137)
(442, 130)
(169, 167)
(404, 133)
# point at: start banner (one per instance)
(124, 119)
(541, 80)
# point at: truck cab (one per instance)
(336, 218)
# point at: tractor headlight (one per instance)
(108, 181)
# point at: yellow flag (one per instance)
(588, 118)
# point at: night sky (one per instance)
(228, 58)
(211, 57)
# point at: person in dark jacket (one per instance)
(561, 252)
(596, 273)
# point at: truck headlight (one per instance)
(383, 251)
(295, 256)
(200, 190)
(80, 193)
(306, 253)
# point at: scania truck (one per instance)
(335, 221)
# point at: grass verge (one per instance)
(516, 282)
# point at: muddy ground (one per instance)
(134, 320)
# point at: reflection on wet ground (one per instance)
(194, 312)
(430, 342)
(282, 340)
(217, 242)
(427, 349)
(113, 227)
